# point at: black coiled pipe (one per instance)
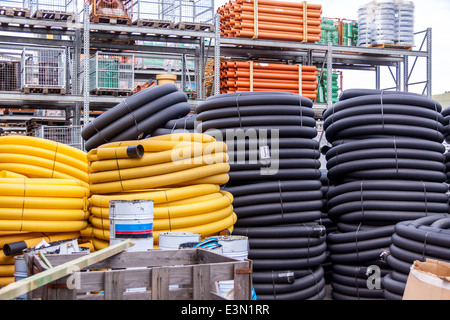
(275, 181)
(420, 239)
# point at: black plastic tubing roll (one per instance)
(131, 125)
(350, 146)
(298, 284)
(254, 110)
(252, 98)
(279, 186)
(126, 106)
(393, 98)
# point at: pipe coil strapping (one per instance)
(137, 115)
(386, 165)
(274, 178)
(420, 239)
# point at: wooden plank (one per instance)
(160, 283)
(201, 282)
(30, 283)
(114, 285)
(242, 283)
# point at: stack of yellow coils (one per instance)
(181, 173)
(44, 195)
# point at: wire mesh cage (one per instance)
(101, 10)
(43, 69)
(111, 72)
(194, 11)
(9, 71)
(13, 3)
(67, 6)
(153, 10)
(69, 135)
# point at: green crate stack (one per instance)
(350, 33)
(329, 32)
(322, 96)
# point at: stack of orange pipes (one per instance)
(238, 76)
(271, 20)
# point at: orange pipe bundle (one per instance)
(254, 76)
(271, 20)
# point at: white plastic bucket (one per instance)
(131, 219)
(171, 240)
(235, 247)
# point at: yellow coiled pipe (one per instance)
(41, 158)
(43, 205)
(181, 173)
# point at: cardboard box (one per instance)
(429, 280)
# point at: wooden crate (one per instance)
(184, 274)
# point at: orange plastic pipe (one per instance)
(278, 76)
(278, 10)
(274, 18)
(275, 27)
(277, 36)
(281, 3)
(274, 85)
(274, 66)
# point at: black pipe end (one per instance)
(135, 151)
(14, 248)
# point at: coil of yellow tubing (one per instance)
(198, 208)
(41, 158)
(179, 159)
(43, 205)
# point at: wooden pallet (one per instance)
(392, 46)
(43, 89)
(14, 12)
(194, 26)
(54, 15)
(110, 19)
(111, 92)
(154, 23)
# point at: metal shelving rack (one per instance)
(85, 38)
(82, 38)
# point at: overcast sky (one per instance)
(433, 14)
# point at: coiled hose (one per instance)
(137, 115)
(420, 239)
(41, 158)
(274, 178)
(181, 173)
(386, 165)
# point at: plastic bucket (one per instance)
(235, 247)
(131, 219)
(171, 240)
(20, 272)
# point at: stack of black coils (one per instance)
(415, 240)
(275, 181)
(386, 165)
